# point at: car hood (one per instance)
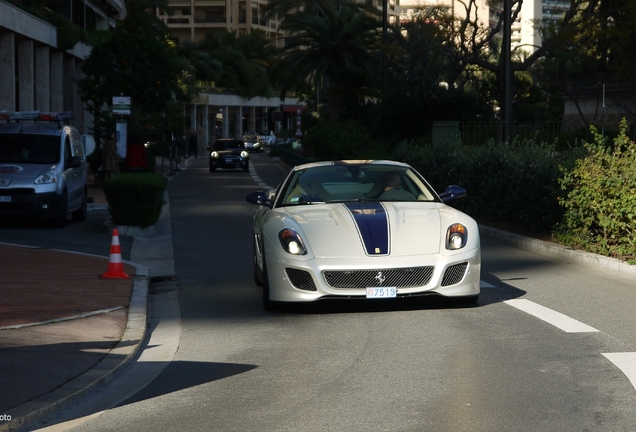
(12, 175)
(370, 229)
(234, 152)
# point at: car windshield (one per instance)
(347, 182)
(250, 137)
(29, 148)
(227, 145)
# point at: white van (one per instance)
(43, 167)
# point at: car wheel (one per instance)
(60, 219)
(267, 303)
(80, 214)
(257, 279)
(212, 169)
(247, 167)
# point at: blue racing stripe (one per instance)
(373, 226)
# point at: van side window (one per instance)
(77, 144)
(68, 154)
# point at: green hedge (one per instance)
(135, 199)
(600, 204)
(515, 186)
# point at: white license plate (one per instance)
(5, 199)
(384, 292)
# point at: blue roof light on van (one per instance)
(35, 115)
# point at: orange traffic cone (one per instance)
(115, 266)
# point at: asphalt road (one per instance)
(532, 355)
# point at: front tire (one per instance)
(256, 270)
(267, 303)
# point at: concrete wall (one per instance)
(34, 74)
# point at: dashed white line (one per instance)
(557, 319)
(257, 179)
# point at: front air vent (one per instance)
(454, 274)
(301, 279)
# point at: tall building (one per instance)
(190, 20)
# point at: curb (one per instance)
(101, 374)
(554, 250)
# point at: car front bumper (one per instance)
(229, 163)
(298, 280)
(25, 203)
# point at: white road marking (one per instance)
(557, 319)
(626, 362)
(256, 178)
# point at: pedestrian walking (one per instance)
(193, 146)
(110, 157)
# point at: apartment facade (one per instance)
(34, 73)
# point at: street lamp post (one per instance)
(507, 72)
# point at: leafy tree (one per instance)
(600, 52)
(422, 80)
(139, 60)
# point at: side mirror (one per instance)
(259, 198)
(208, 147)
(88, 144)
(452, 193)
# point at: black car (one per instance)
(228, 153)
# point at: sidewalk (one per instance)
(64, 332)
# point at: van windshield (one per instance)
(29, 148)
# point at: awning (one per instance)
(293, 108)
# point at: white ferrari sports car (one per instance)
(362, 229)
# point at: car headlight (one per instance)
(456, 236)
(291, 242)
(244, 154)
(47, 178)
(214, 155)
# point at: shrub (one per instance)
(135, 199)
(600, 206)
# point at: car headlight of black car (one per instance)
(456, 236)
(244, 154)
(291, 242)
(214, 155)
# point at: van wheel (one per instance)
(80, 214)
(60, 219)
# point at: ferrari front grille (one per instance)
(301, 279)
(360, 279)
(454, 274)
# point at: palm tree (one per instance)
(333, 48)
